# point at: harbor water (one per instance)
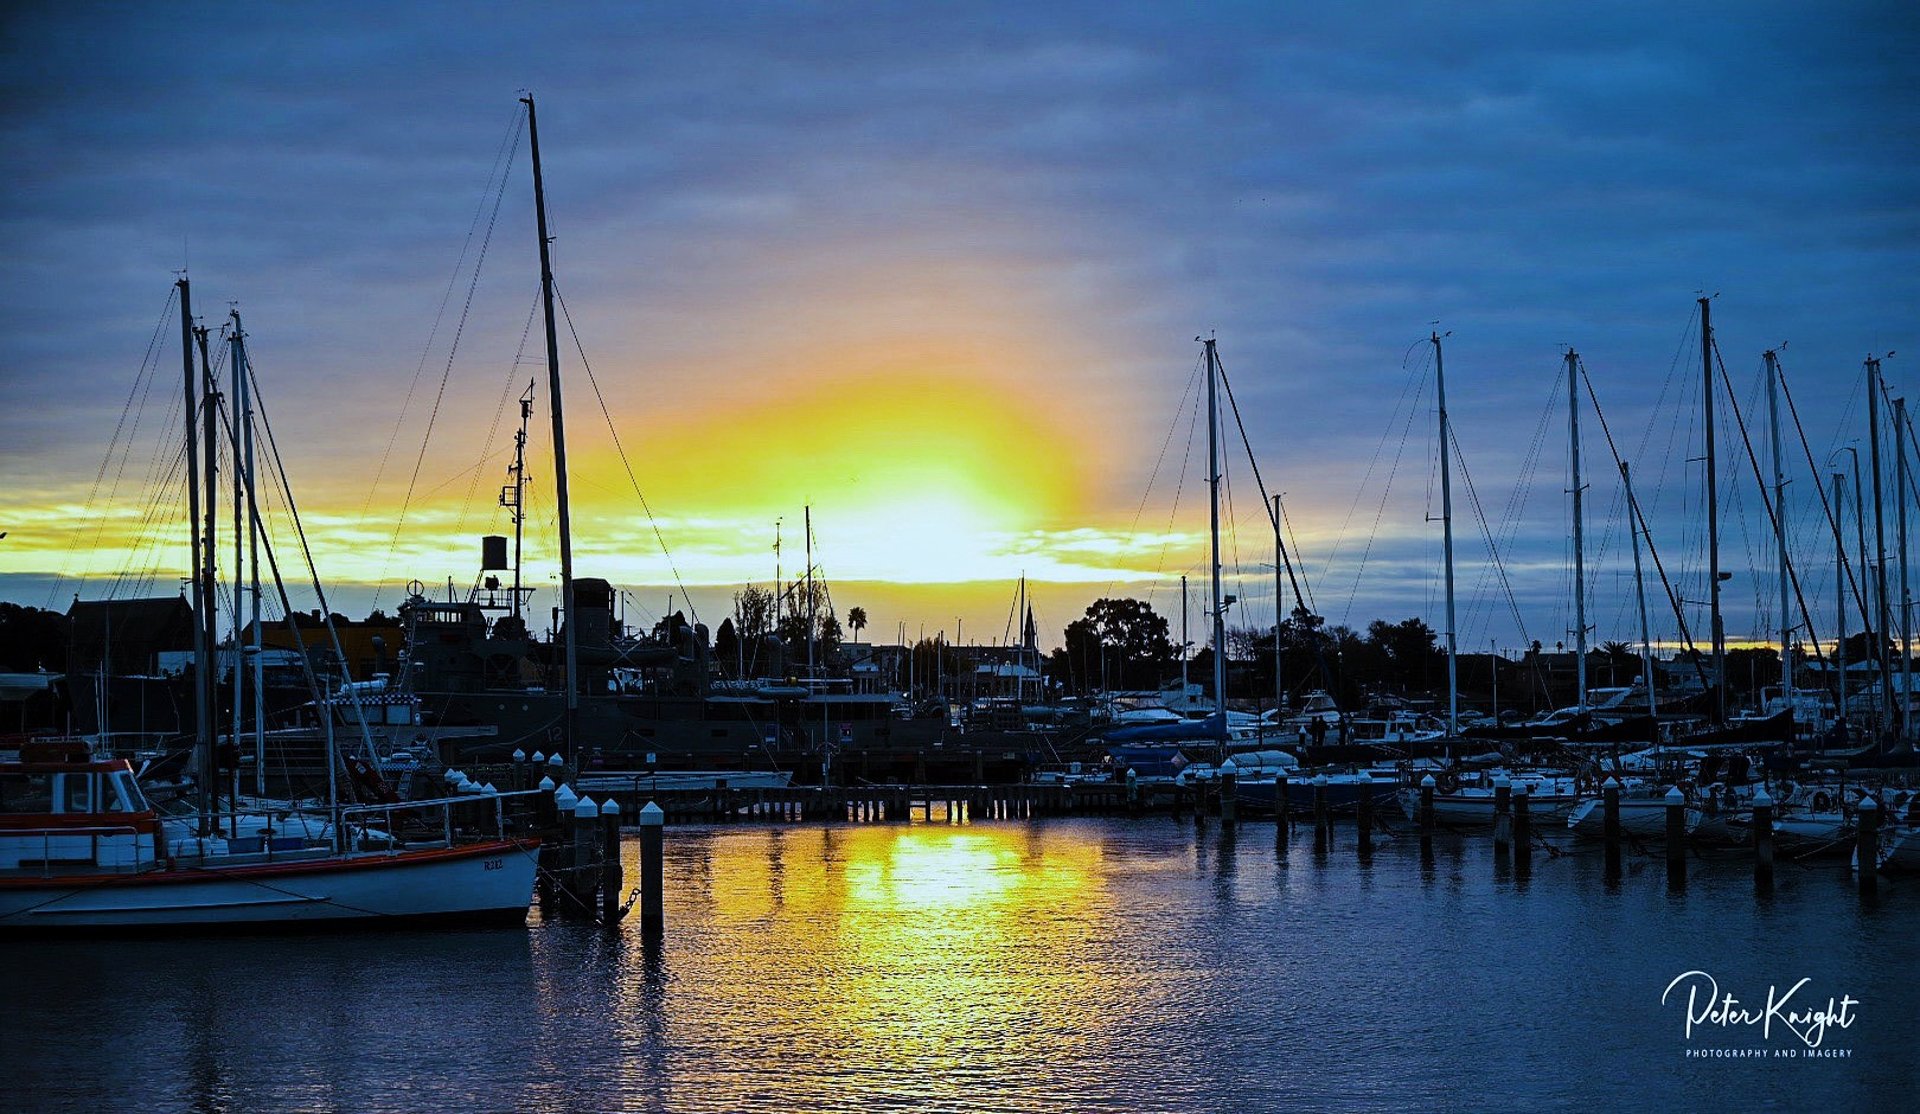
(1078, 964)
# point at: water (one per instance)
(1063, 964)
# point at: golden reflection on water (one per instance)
(919, 949)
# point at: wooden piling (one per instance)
(1133, 791)
(610, 871)
(1502, 816)
(586, 843)
(1282, 810)
(1229, 793)
(1363, 822)
(1762, 840)
(1322, 834)
(1676, 837)
(1522, 830)
(653, 889)
(1866, 850)
(1610, 827)
(1426, 812)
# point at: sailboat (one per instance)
(83, 850)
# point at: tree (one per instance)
(752, 614)
(1118, 643)
(1620, 659)
(726, 647)
(857, 621)
(1407, 652)
(32, 639)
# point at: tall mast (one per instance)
(1640, 593)
(202, 666)
(1279, 613)
(1780, 528)
(1881, 627)
(1446, 534)
(209, 576)
(243, 373)
(1900, 520)
(1579, 546)
(1213, 488)
(240, 685)
(569, 630)
(1713, 520)
(811, 615)
(1840, 593)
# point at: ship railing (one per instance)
(48, 862)
(465, 811)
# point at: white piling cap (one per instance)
(1428, 782)
(564, 797)
(609, 807)
(1674, 796)
(1319, 779)
(456, 777)
(519, 755)
(1502, 781)
(1760, 795)
(585, 809)
(538, 757)
(1867, 802)
(1610, 783)
(1228, 767)
(1520, 789)
(473, 787)
(489, 790)
(1132, 773)
(652, 816)
(554, 759)
(546, 784)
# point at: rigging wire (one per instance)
(625, 462)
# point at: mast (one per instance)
(811, 616)
(1713, 520)
(1900, 520)
(1579, 549)
(202, 668)
(1840, 592)
(209, 573)
(1446, 533)
(569, 630)
(1640, 593)
(1279, 612)
(1881, 628)
(1185, 643)
(1218, 611)
(514, 498)
(1780, 529)
(243, 373)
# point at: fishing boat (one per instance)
(82, 850)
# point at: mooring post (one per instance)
(1363, 820)
(1229, 792)
(1522, 829)
(586, 826)
(1321, 834)
(1866, 852)
(1502, 815)
(653, 888)
(1762, 839)
(1426, 812)
(520, 780)
(1282, 807)
(1133, 791)
(1676, 837)
(610, 872)
(1610, 826)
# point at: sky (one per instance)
(938, 272)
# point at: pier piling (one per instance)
(1282, 811)
(610, 872)
(1229, 792)
(1363, 822)
(1610, 827)
(1502, 816)
(1762, 840)
(1522, 830)
(1866, 851)
(653, 890)
(1322, 835)
(1676, 837)
(1426, 812)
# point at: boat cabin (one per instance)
(62, 811)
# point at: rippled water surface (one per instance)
(1063, 964)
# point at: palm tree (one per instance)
(1619, 656)
(857, 621)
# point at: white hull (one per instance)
(478, 883)
(682, 779)
(1900, 850)
(1641, 818)
(1476, 807)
